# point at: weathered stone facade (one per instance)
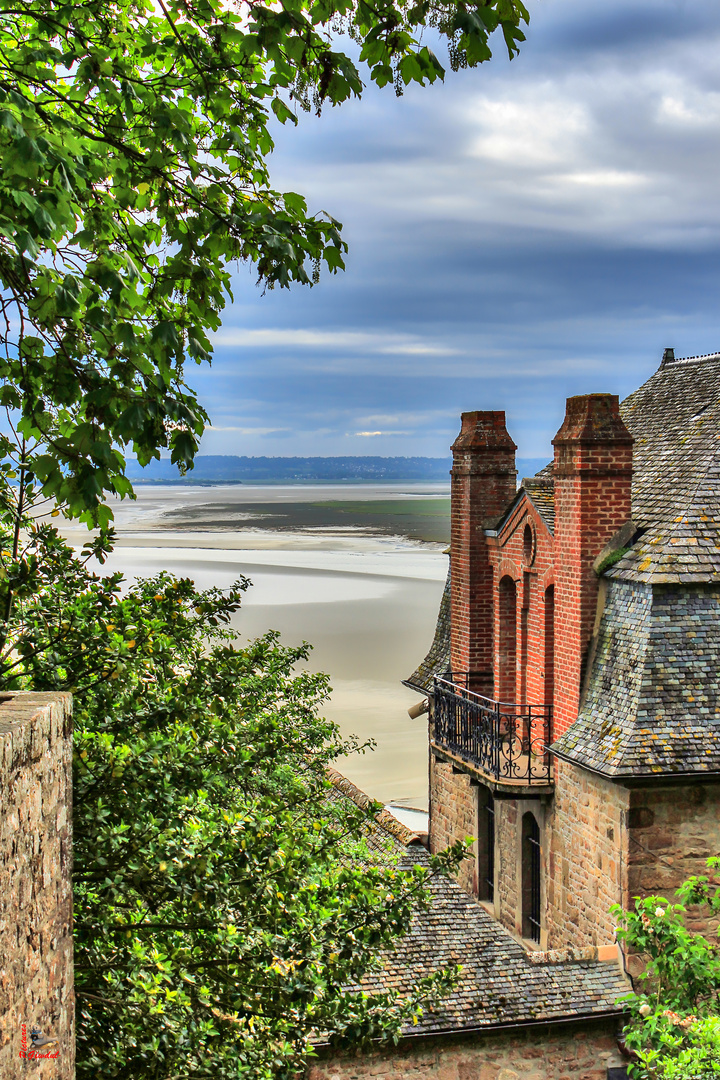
(453, 812)
(36, 973)
(587, 859)
(582, 1051)
(673, 830)
(509, 815)
(591, 770)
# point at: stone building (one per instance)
(574, 727)
(574, 678)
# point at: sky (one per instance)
(526, 231)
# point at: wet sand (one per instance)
(361, 585)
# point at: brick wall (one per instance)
(587, 858)
(36, 975)
(531, 676)
(593, 479)
(482, 483)
(562, 1052)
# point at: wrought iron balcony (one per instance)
(505, 742)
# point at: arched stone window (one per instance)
(486, 845)
(507, 674)
(549, 644)
(531, 913)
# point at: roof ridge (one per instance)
(686, 359)
(384, 818)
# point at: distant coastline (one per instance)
(216, 469)
(213, 469)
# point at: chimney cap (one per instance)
(483, 430)
(668, 356)
(593, 418)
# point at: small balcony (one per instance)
(504, 744)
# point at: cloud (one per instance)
(689, 107)
(539, 128)
(244, 430)
(520, 233)
(377, 342)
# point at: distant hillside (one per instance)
(210, 469)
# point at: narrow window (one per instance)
(507, 675)
(524, 628)
(528, 545)
(530, 877)
(549, 644)
(486, 845)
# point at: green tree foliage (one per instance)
(134, 137)
(674, 1029)
(227, 899)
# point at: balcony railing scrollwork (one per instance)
(508, 742)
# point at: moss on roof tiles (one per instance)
(653, 698)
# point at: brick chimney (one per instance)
(593, 481)
(483, 483)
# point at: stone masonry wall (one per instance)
(36, 973)
(580, 1052)
(673, 831)
(453, 814)
(507, 879)
(588, 858)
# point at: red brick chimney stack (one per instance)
(593, 481)
(483, 482)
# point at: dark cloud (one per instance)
(526, 231)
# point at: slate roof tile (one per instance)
(653, 697)
(501, 983)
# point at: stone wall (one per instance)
(453, 814)
(564, 1052)
(509, 815)
(507, 882)
(673, 831)
(36, 973)
(588, 857)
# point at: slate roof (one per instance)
(437, 660)
(675, 420)
(542, 495)
(501, 983)
(653, 699)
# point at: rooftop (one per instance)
(674, 419)
(501, 984)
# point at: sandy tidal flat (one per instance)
(365, 595)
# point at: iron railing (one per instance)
(508, 742)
